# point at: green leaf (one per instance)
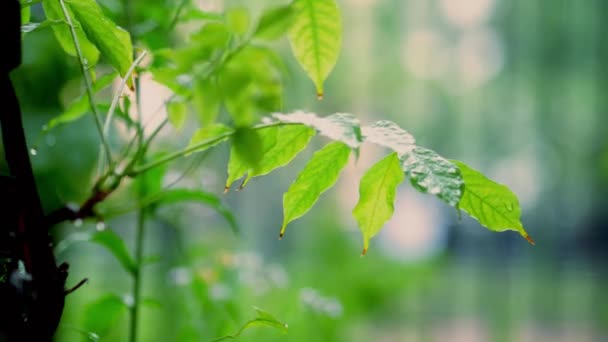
(274, 23)
(340, 126)
(80, 106)
(377, 196)
(115, 245)
(102, 314)
(430, 173)
(26, 15)
(176, 111)
(111, 40)
(151, 181)
(388, 134)
(262, 319)
(315, 36)
(492, 204)
(210, 200)
(206, 99)
(53, 12)
(290, 141)
(238, 164)
(319, 174)
(213, 134)
(238, 19)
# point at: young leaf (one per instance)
(492, 204)
(377, 196)
(53, 12)
(274, 23)
(388, 134)
(340, 126)
(263, 319)
(238, 166)
(320, 174)
(176, 111)
(115, 245)
(113, 42)
(102, 314)
(315, 36)
(430, 173)
(209, 136)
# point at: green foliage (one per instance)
(262, 319)
(492, 204)
(320, 174)
(315, 37)
(102, 314)
(274, 23)
(377, 195)
(115, 245)
(176, 113)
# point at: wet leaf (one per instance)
(377, 196)
(315, 36)
(492, 204)
(319, 174)
(432, 174)
(340, 126)
(388, 134)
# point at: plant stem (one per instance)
(137, 279)
(87, 83)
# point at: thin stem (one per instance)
(178, 12)
(132, 172)
(87, 82)
(137, 278)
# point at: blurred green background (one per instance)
(516, 88)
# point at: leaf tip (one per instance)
(281, 234)
(319, 95)
(529, 239)
(364, 252)
(226, 189)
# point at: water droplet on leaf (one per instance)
(33, 151)
(78, 222)
(100, 226)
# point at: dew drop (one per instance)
(100, 226)
(78, 222)
(33, 151)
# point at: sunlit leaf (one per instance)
(492, 204)
(81, 106)
(206, 99)
(377, 196)
(176, 111)
(290, 141)
(388, 134)
(340, 126)
(172, 196)
(238, 165)
(432, 174)
(315, 36)
(238, 19)
(274, 23)
(103, 314)
(111, 40)
(209, 136)
(262, 319)
(319, 174)
(53, 12)
(115, 245)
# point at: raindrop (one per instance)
(78, 222)
(100, 226)
(33, 151)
